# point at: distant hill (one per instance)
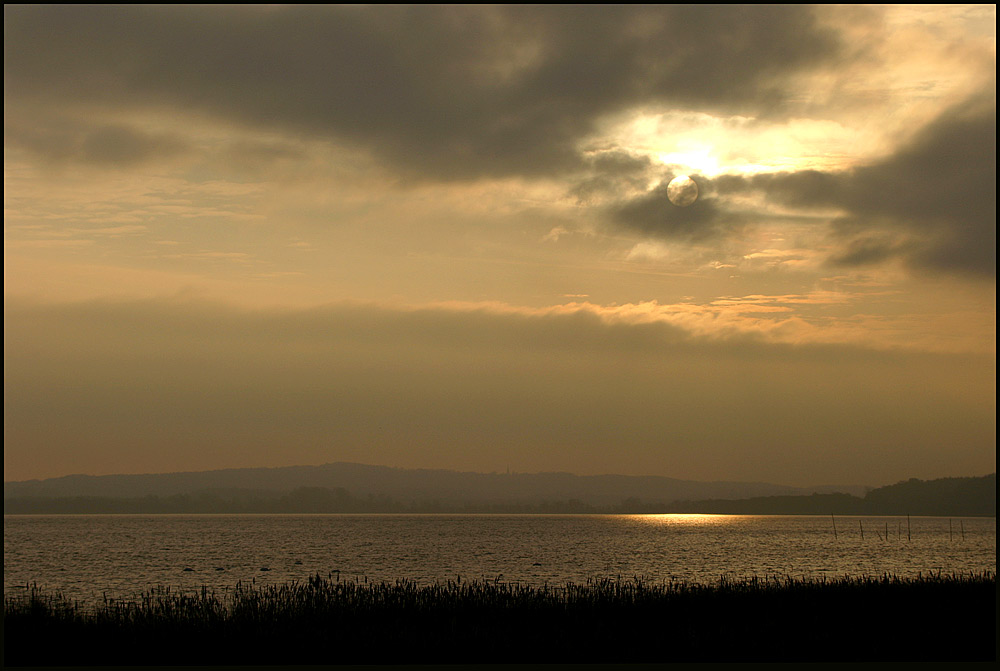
(365, 487)
(945, 496)
(968, 497)
(345, 487)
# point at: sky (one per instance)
(439, 237)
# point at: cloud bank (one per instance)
(175, 385)
(439, 92)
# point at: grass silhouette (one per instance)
(328, 621)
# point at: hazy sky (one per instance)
(439, 237)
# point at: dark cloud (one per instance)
(440, 91)
(610, 172)
(932, 203)
(101, 144)
(654, 215)
(866, 251)
(940, 190)
(120, 145)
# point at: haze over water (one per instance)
(84, 557)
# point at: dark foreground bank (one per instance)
(325, 621)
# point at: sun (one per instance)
(682, 191)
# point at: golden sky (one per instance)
(439, 237)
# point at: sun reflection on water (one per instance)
(688, 519)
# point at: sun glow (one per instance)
(710, 145)
(700, 160)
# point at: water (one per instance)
(84, 557)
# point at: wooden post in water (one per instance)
(860, 526)
(951, 534)
(908, 527)
(887, 531)
(834, 525)
(962, 525)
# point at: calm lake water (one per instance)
(121, 555)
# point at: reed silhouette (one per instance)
(329, 621)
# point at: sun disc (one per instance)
(682, 191)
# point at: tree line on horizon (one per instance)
(973, 496)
